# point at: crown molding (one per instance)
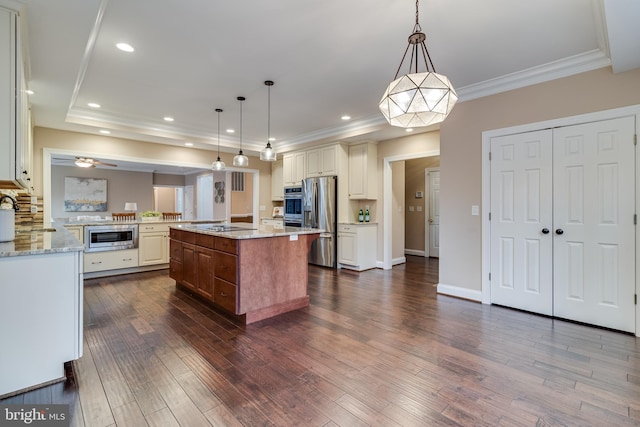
(565, 67)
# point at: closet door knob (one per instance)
(545, 231)
(559, 231)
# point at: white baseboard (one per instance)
(456, 291)
(397, 261)
(414, 252)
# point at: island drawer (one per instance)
(225, 266)
(224, 295)
(205, 240)
(183, 236)
(226, 245)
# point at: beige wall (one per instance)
(461, 159)
(122, 187)
(242, 201)
(414, 230)
(97, 145)
(164, 199)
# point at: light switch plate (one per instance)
(34, 209)
(34, 200)
(263, 207)
(293, 237)
(419, 208)
(475, 210)
(410, 208)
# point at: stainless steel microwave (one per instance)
(110, 237)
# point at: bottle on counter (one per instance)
(366, 216)
(360, 216)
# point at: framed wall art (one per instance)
(85, 194)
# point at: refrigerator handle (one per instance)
(314, 205)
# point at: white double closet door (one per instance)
(562, 222)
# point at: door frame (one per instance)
(427, 209)
(633, 110)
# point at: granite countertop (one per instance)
(359, 223)
(138, 221)
(237, 230)
(38, 241)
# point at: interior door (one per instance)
(521, 215)
(594, 244)
(434, 213)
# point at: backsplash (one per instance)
(25, 218)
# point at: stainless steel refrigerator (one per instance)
(319, 210)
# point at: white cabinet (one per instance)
(357, 246)
(322, 161)
(275, 222)
(15, 134)
(363, 171)
(294, 168)
(277, 182)
(77, 231)
(153, 244)
(41, 313)
(110, 260)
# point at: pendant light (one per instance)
(240, 159)
(218, 165)
(418, 99)
(267, 153)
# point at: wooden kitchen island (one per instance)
(251, 272)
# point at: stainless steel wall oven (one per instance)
(110, 237)
(293, 206)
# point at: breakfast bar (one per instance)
(250, 272)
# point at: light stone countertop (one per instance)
(247, 231)
(41, 241)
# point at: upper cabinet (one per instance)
(294, 168)
(363, 171)
(322, 161)
(15, 133)
(277, 182)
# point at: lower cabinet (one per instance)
(357, 246)
(77, 231)
(208, 267)
(153, 244)
(110, 260)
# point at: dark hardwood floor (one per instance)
(376, 348)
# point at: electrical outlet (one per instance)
(263, 208)
(410, 208)
(34, 200)
(419, 208)
(34, 209)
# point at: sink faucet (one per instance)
(13, 201)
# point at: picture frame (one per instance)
(85, 194)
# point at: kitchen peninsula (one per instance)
(252, 272)
(40, 307)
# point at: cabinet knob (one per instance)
(223, 294)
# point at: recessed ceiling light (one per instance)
(188, 144)
(93, 105)
(409, 130)
(345, 117)
(125, 47)
(168, 119)
(29, 92)
(105, 132)
(230, 131)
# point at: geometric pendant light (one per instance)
(418, 99)
(240, 159)
(267, 154)
(218, 165)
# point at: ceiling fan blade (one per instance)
(98, 162)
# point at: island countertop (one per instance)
(41, 240)
(239, 230)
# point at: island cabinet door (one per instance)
(225, 295)
(204, 284)
(189, 272)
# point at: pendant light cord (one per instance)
(218, 110)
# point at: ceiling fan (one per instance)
(88, 162)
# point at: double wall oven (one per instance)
(110, 237)
(293, 206)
